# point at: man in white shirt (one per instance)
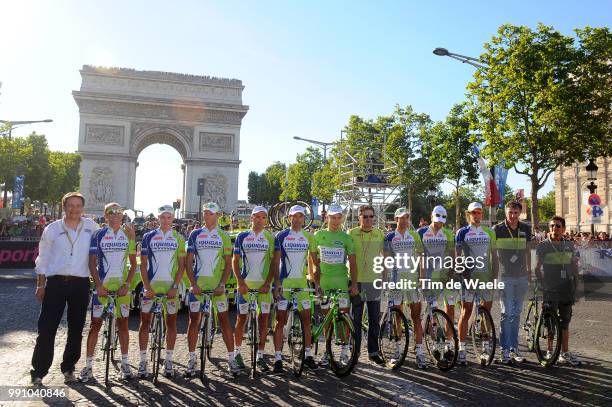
(62, 277)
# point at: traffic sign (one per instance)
(594, 200)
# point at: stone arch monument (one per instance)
(123, 111)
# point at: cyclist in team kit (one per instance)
(255, 247)
(439, 246)
(334, 246)
(293, 246)
(476, 241)
(110, 249)
(162, 263)
(211, 248)
(404, 241)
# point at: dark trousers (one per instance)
(58, 293)
(373, 328)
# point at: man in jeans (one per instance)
(369, 243)
(513, 248)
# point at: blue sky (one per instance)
(306, 66)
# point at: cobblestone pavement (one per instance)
(369, 385)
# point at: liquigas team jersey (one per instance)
(112, 251)
(437, 247)
(163, 251)
(407, 244)
(209, 248)
(256, 251)
(294, 247)
(477, 243)
(334, 248)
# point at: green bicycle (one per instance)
(339, 332)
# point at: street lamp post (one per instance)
(477, 63)
(320, 144)
(591, 169)
(11, 125)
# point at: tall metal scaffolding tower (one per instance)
(368, 175)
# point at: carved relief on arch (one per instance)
(144, 134)
(101, 186)
(215, 188)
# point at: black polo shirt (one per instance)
(511, 246)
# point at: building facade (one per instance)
(571, 195)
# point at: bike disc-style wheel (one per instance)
(547, 337)
(254, 339)
(341, 346)
(394, 338)
(296, 339)
(157, 346)
(108, 344)
(482, 335)
(529, 326)
(204, 321)
(435, 335)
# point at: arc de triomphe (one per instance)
(122, 111)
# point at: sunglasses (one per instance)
(367, 216)
(440, 216)
(555, 225)
(114, 211)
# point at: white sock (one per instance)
(169, 354)
(307, 352)
(231, 356)
(143, 356)
(192, 355)
(237, 351)
(278, 355)
(461, 345)
(259, 354)
(89, 361)
(124, 359)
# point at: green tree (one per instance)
(63, 176)
(36, 166)
(300, 175)
(547, 206)
(451, 156)
(275, 179)
(544, 100)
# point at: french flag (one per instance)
(491, 192)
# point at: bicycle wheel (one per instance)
(442, 344)
(296, 340)
(394, 338)
(254, 339)
(547, 341)
(340, 346)
(156, 346)
(108, 343)
(212, 330)
(204, 321)
(482, 335)
(529, 325)
(115, 341)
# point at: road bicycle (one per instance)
(110, 335)
(440, 337)
(340, 341)
(293, 332)
(157, 334)
(542, 330)
(481, 332)
(394, 337)
(208, 328)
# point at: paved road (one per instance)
(369, 385)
